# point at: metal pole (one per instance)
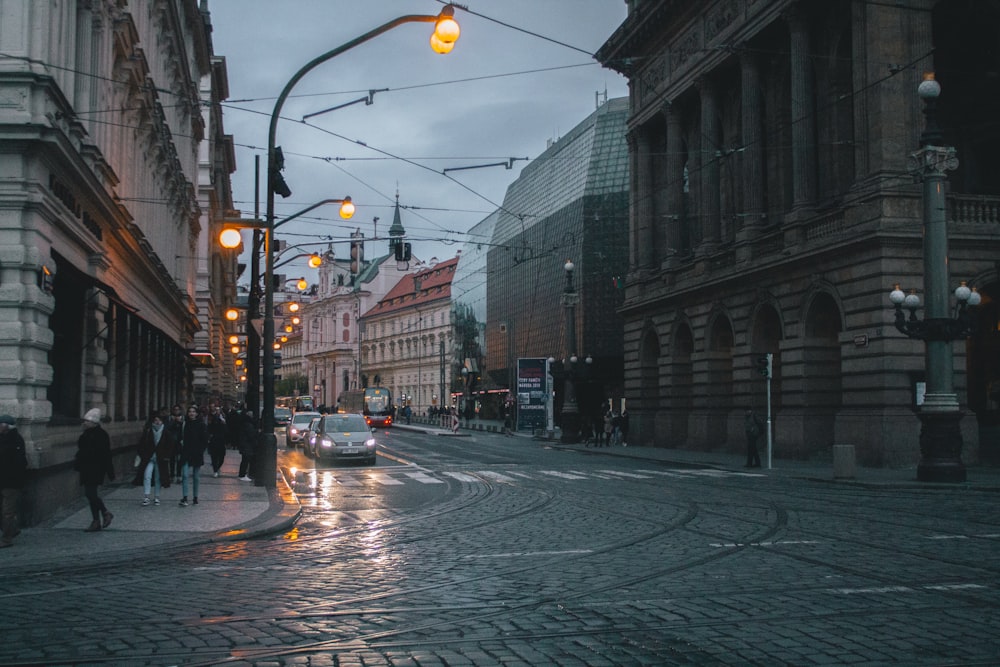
(570, 409)
(940, 434)
(268, 451)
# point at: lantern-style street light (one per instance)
(446, 33)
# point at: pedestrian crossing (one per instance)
(415, 475)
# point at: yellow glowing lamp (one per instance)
(288, 329)
(234, 339)
(243, 378)
(277, 346)
(303, 283)
(296, 320)
(346, 208)
(284, 339)
(235, 349)
(232, 314)
(230, 238)
(314, 262)
(446, 31)
(239, 362)
(293, 307)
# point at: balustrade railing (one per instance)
(974, 209)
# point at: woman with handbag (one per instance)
(156, 448)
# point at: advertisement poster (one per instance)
(532, 391)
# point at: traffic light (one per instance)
(277, 181)
(764, 364)
(357, 253)
(403, 252)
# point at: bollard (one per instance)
(844, 466)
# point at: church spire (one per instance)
(396, 231)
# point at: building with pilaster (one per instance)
(115, 168)
(773, 207)
(408, 339)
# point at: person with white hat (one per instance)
(13, 470)
(94, 463)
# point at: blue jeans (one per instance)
(193, 473)
(151, 476)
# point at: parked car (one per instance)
(297, 428)
(281, 418)
(343, 437)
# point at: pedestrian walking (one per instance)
(175, 425)
(754, 426)
(218, 439)
(624, 426)
(156, 448)
(608, 427)
(194, 442)
(13, 471)
(93, 462)
(247, 444)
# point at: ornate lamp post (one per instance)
(940, 435)
(570, 409)
(446, 33)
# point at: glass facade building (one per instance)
(570, 203)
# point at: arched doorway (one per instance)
(821, 395)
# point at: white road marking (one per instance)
(424, 478)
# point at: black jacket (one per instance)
(93, 457)
(194, 442)
(13, 460)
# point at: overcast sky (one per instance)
(520, 75)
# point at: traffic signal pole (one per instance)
(770, 442)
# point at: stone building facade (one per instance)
(115, 168)
(773, 209)
(408, 339)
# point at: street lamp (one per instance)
(940, 435)
(446, 32)
(570, 409)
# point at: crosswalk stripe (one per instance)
(399, 477)
(424, 478)
(462, 477)
(564, 475)
(496, 476)
(625, 474)
(385, 480)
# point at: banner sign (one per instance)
(531, 394)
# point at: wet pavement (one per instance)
(231, 509)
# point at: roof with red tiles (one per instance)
(416, 289)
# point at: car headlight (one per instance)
(370, 443)
(326, 442)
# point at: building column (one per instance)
(803, 108)
(752, 138)
(709, 192)
(642, 200)
(674, 185)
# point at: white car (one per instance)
(344, 437)
(298, 427)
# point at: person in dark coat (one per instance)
(754, 426)
(218, 439)
(93, 462)
(247, 444)
(194, 442)
(13, 471)
(174, 424)
(156, 448)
